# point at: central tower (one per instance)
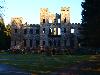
(65, 15)
(44, 16)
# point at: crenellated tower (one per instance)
(16, 32)
(17, 21)
(44, 16)
(65, 15)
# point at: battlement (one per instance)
(65, 8)
(34, 24)
(44, 9)
(75, 23)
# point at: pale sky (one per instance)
(30, 9)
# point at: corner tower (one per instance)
(16, 21)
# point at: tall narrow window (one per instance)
(14, 43)
(55, 31)
(65, 20)
(24, 42)
(50, 43)
(58, 42)
(43, 42)
(49, 31)
(54, 42)
(30, 42)
(37, 31)
(64, 30)
(43, 30)
(59, 31)
(72, 30)
(16, 30)
(37, 43)
(43, 20)
(58, 20)
(65, 43)
(25, 31)
(31, 31)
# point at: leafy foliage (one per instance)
(2, 36)
(91, 23)
(8, 35)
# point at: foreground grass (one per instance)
(41, 63)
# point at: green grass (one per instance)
(41, 63)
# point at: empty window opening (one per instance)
(58, 42)
(43, 42)
(64, 30)
(64, 42)
(25, 31)
(15, 43)
(43, 30)
(37, 31)
(50, 21)
(31, 31)
(37, 43)
(50, 43)
(63, 10)
(72, 30)
(58, 20)
(59, 31)
(54, 42)
(50, 31)
(55, 31)
(24, 43)
(16, 30)
(65, 20)
(43, 20)
(31, 42)
(54, 20)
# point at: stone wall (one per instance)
(47, 34)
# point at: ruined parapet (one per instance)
(51, 17)
(57, 18)
(17, 21)
(75, 25)
(16, 32)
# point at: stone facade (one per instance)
(54, 32)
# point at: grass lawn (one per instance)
(41, 63)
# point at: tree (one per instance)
(91, 23)
(5, 36)
(2, 37)
(8, 36)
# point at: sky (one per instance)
(30, 9)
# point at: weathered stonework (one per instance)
(54, 32)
